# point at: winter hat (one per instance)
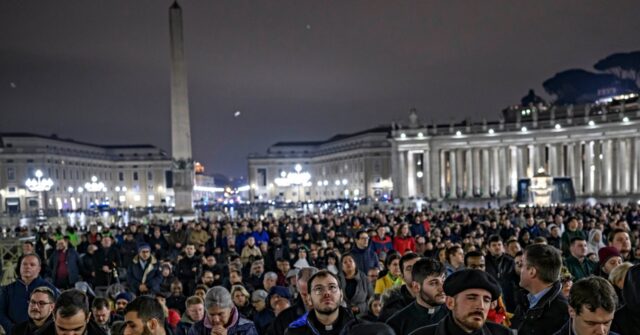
(604, 254)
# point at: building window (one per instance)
(135, 175)
(121, 176)
(150, 176)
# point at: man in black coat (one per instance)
(428, 308)
(188, 268)
(469, 296)
(627, 318)
(500, 266)
(545, 309)
(299, 308)
(397, 298)
(592, 304)
(107, 259)
(326, 317)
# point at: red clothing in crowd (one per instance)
(402, 244)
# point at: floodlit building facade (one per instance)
(596, 145)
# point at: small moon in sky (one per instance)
(12, 84)
(236, 114)
(308, 27)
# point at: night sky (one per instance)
(98, 71)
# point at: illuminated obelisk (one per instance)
(183, 173)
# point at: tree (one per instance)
(625, 65)
(580, 86)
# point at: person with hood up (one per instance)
(627, 318)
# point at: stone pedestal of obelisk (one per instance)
(183, 169)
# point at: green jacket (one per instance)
(580, 270)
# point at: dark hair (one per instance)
(426, 267)
(592, 293)
(451, 251)
(201, 287)
(360, 232)
(147, 308)
(577, 238)
(100, 303)
(546, 260)
(390, 258)
(494, 238)
(409, 256)
(70, 302)
(470, 254)
(30, 255)
(615, 232)
(321, 274)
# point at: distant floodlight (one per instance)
(558, 126)
(592, 123)
(625, 119)
(523, 129)
(458, 133)
(491, 131)
(403, 135)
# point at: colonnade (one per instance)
(597, 166)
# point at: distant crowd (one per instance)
(552, 270)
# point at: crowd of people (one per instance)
(553, 270)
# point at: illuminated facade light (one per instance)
(403, 135)
(458, 133)
(419, 174)
(592, 123)
(523, 129)
(491, 131)
(625, 119)
(558, 126)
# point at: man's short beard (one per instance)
(428, 300)
(327, 311)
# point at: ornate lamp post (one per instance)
(94, 186)
(297, 178)
(39, 184)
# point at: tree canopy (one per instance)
(625, 65)
(579, 86)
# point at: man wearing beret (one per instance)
(544, 310)
(469, 296)
(143, 275)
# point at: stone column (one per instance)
(443, 173)
(468, 173)
(460, 172)
(514, 169)
(635, 142)
(426, 173)
(486, 176)
(402, 186)
(496, 170)
(521, 166)
(532, 161)
(561, 158)
(623, 167)
(553, 160)
(476, 172)
(588, 168)
(454, 172)
(411, 174)
(607, 157)
(579, 176)
(436, 172)
(504, 170)
(571, 165)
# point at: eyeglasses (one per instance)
(320, 290)
(40, 304)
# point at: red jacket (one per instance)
(401, 244)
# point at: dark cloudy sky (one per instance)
(98, 71)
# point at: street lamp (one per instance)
(39, 184)
(94, 186)
(297, 178)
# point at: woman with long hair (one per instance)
(356, 286)
(403, 240)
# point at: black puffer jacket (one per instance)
(627, 318)
(395, 299)
(549, 314)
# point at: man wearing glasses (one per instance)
(41, 304)
(363, 253)
(327, 317)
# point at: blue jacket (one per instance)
(73, 265)
(135, 274)
(305, 326)
(14, 301)
(365, 258)
(262, 237)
